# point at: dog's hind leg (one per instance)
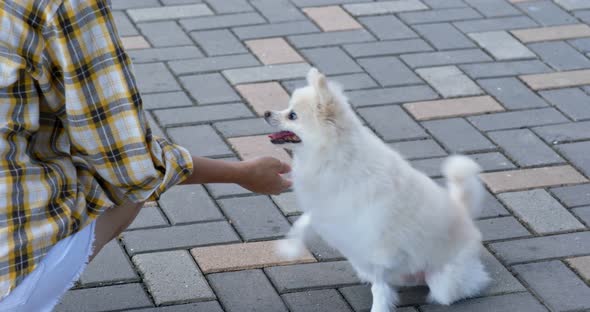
(294, 245)
(384, 297)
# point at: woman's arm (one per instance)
(261, 175)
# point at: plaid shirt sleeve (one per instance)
(103, 109)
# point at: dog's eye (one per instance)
(292, 116)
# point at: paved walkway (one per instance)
(506, 81)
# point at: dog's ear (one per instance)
(319, 82)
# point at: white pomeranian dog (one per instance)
(393, 223)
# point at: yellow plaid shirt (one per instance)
(73, 137)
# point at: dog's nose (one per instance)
(267, 114)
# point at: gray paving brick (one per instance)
(221, 21)
(571, 294)
(189, 203)
(200, 141)
(208, 306)
(573, 4)
(419, 149)
(117, 297)
(488, 161)
(384, 7)
(202, 114)
(457, 135)
(584, 16)
(449, 81)
(501, 228)
(129, 4)
(209, 88)
(287, 203)
(512, 93)
(176, 2)
(518, 119)
(502, 281)
(124, 25)
(164, 34)
(321, 250)
(314, 275)
(493, 8)
(247, 291)
(525, 148)
(542, 248)
(572, 102)
(583, 213)
(443, 36)
(110, 265)
(278, 10)
(229, 6)
(521, 302)
(546, 13)
(275, 30)
(391, 95)
(316, 301)
(392, 123)
(164, 54)
(389, 71)
(165, 100)
(173, 276)
(148, 217)
(347, 82)
(266, 223)
(212, 64)
(492, 207)
(445, 4)
(387, 27)
(243, 127)
(574, 195)
(154, 77)
(502, 45)
(154, 127)
(330, 38)
(540, 211)
(179, 237)
(359, 297)
(168, 12)
(565, 132)
(445, 58)
(444, 15)
(331, 61)
(577, 154)
(583, 45)
(266, 73)
(387, 47)
(560, 55)
(307, 3)
(218, 42)
(499, 69)
(493, 24)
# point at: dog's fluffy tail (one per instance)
(463, 184)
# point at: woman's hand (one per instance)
(263, 175)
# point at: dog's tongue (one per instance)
(284, 137)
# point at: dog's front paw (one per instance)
(290, 249)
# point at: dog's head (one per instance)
(315, 112)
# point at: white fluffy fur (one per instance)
(388, 219)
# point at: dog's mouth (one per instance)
(283, 137)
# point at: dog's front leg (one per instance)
(294, 245)
(384, 297)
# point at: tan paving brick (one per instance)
(274, 51)
(452, 108)
(264, 96)
(134, 42)
(581, 265)
(521, 179)
(557, 80)
(243, 256)
(332, 18)
(258, 146)
(552, 33)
